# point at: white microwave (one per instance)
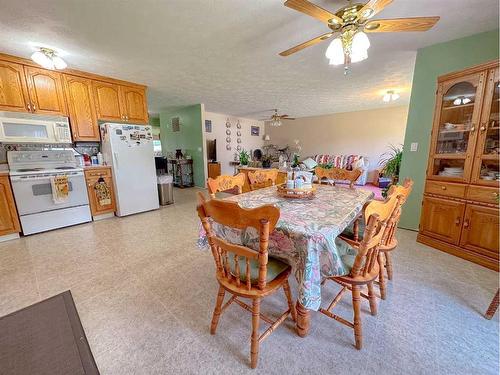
(34, 130)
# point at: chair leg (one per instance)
(388, 264)
(381, 276)
(356, 303)
(217, 310)
(254, 350)
(291, 306)
(372, 299)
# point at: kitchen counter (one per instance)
(89, 167)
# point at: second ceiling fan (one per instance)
(276, 119)
(351, 23)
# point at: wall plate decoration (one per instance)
(238, 133)
(228, 131)
(228, 147)
(228, 124)
(238, 140)
(238, 125)
(238, 148)
(228, 139)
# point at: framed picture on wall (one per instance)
(208, 126)
(255, 131)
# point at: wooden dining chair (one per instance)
(224, 182)
(492, 308)
(364, 266)
(262, 178)
(390, 241)
(338, 174)
(243, 271)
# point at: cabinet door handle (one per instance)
(457, 221)
(466, 223)
(29, 106)
(34, 107)
(443, 187)
(473, 129)
(483, 127)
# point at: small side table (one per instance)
(182, 171)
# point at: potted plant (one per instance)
(266, 161)
(244, 157)
(390, 162)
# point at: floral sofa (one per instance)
(347, 162)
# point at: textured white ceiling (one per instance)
(224, 53)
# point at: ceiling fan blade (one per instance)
(313, 10)
(306, 44)
(401, 24)
(289, 118)
(373, 7)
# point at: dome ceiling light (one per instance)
(47, 58)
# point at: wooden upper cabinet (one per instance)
(13, 91)
(442, 219)
(81, 106)
(107, 101)
(134, 104)
(481, 230)
(45, 91)
(9, 222)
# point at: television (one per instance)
(211, 150)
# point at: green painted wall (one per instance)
(432, 62)
(189, 138)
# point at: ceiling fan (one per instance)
(275, 119)
(351, 23)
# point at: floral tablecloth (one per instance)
(305, 234)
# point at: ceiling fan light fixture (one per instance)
(359, 47)
(367, 13)
(335, 52)
(59, 63)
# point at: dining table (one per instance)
(305, 237)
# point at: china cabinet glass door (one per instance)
(455, 128)
(486, 165)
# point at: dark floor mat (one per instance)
(45, 338)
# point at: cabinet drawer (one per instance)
(445, 188)
(483, 194)
(98, 172)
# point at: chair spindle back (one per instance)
(338, 174)
(224, 182)
(262, 178)
(230, 214)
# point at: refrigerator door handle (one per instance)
(115, 157)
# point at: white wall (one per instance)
(363, 132)
(249, 142)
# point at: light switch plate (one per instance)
(414, 147)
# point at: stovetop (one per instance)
(42, 162)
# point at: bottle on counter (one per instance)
(100, 158)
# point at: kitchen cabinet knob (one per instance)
(483, 128)
(29, 106)
(466, 224)
(457, 221)
(34, 107)
(472, 129)
(443, 187)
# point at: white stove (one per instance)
(31, 173)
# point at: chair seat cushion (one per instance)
(346, 252)
(349, 231)
(274, 268)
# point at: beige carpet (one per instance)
(145, 295)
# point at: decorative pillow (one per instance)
(337, 161)
(309, 163)
(321, 159)
(360, 163)
(351, 160)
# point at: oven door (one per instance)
(33, 194)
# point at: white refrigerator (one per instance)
(129, 150)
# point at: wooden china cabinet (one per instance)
(460, 209)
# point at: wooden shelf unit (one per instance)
(460, 215)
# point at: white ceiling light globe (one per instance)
(335, 52)
(43, 60)
(359, 48)
(59, 63)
